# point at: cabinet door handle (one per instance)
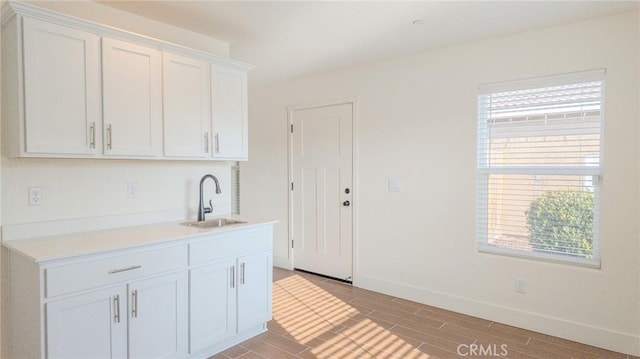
(233, 276)
(116, 309)
(206, 142)
(109, 136)
(242, 273)
(217, 142)
(113, 271)
(134, 304)
(92, 135)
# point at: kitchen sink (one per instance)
(213, 223)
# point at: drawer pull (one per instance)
(242, 273)
(233, 276)
(92, 137)
(109, 136)
(134, 306)
(124, 269)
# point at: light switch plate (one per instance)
(132, 189)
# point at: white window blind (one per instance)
(539, 167)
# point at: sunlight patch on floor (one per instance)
(316, 318)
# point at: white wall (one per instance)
(94, 188)
(417, 121)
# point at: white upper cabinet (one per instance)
(132, 99)
(77, 89)
(61, 90)
(229, 99)
(186, 107)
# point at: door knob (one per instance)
(346, 203)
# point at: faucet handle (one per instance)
(209, 209)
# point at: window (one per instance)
(539, 167)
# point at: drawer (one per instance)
(223, 245)
(110, 270)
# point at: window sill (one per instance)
(540, 256)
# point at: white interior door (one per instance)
(322, 171)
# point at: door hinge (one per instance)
(291, 128)
(292, 243)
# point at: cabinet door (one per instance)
(254, 290)
(92, 325)
(158, 317)
(229, 98)
(213, 304)
(61, 89)
(132, 99)
(186, 107)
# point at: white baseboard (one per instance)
(596, 336)
(66, 226)
(282, 262)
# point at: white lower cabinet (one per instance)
(213, 304)
(157, 316)
(254, 290)
(188, 298)
(229, 297)
(147, 316)
(87, 325)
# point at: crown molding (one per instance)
(12, 8)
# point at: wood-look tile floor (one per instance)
(315, 317)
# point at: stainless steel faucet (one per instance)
(202, 210)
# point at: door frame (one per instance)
(353, 101)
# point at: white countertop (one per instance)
(41, 249)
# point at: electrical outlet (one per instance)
(132, 189)
(395, 184)
(520, 286)
(35, 196)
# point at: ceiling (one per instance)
(286, 39)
